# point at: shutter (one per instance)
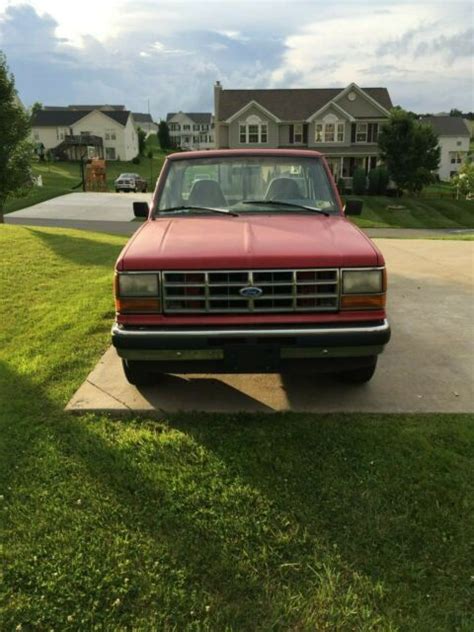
(305, 133)
(353, 132)
(291, 134)
(369, 132)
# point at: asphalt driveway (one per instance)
(428, 365)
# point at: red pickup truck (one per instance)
(246, 263)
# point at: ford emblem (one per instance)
(251, 292)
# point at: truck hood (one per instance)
(252, 241)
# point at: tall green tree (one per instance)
(35, 108)
(164, 138)
(15, 150)
(410, 150)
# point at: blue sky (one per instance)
(171, 53)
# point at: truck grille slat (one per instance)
(210, 291)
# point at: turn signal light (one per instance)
(137, 305)
(363, 301)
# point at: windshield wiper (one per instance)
(188, 207)
(313, 209)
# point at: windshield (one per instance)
(227, 183)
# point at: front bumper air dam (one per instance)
(252, 349)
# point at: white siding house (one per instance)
(110, 131)
(453, 139)
(191, 130)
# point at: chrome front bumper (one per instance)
(247, 347)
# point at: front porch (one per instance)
(343, 166)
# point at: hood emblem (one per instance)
(251, 291)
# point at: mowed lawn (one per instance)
(208, 522)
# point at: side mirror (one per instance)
(141, 209)
(353, 207)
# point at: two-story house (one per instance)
(191, 130)
(342, 123)
(453, 139)
(69, 131)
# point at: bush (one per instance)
(150, 154)
(136, 160)
(359, 182)
(341, 186)
(378, 181)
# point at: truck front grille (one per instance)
(216, 291)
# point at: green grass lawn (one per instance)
(207, 522)
(416, 213)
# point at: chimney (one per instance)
(217, 98)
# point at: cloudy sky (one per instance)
(172, 52)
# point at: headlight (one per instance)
(362, 281)
(137, 293)
(138, 285)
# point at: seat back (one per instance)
(206, 193)
(283, 189)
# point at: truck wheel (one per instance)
(137, 375)
(359, 376)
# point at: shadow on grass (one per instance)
(278, 521)
(79, 250)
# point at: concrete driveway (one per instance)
(97, 207)
(428, 365)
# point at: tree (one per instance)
(463, 181)
(141, 141)
(410, 150)
(36, 107)
(15, 150)
(164, 135)
(456, 112)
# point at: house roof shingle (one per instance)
(140, 117)
(448, 125)
(290, 104)
(201, 118)
(65, 117)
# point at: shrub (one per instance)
(378, 181)
(341, 186)
(136, 160)
(359, 182)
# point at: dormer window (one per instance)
(253, 131)
(329, 132)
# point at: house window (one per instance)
(253, 133)
(110, 153)
(340, 132)
(459, 143)
(361, 133)
(195, 128)
(456, 157)
(187, 127)
(174, 127)
(298, 133)
(329, 130)
(195, 139)
(110, 134)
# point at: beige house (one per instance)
(69, 131)
(341, 123)
(191, 130)
(453, 139)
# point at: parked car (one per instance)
(130, 182)
(248, 263)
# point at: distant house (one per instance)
(191, 130)
(453, 139)
(69, 131)
(146, 122)
(342, 123)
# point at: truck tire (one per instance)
(359, 376)
(137, 375)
